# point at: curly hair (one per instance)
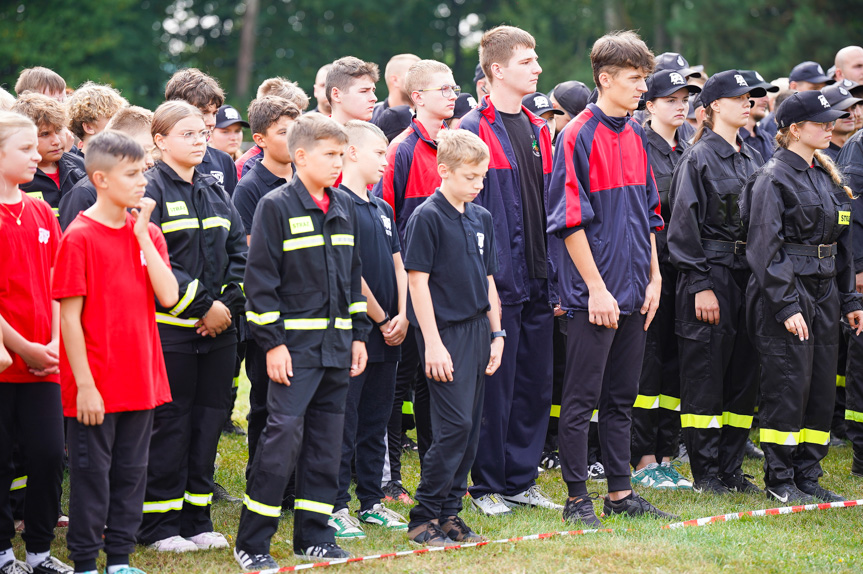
(90, 103)
(42, 110)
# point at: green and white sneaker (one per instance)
(680, 481)
(383, 516)
(652, 476)
(345, 525)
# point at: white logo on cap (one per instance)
(740, 80)
(824, 101)
(676, 79)
(843, 91)
(847, 83)
(541, 102)
(757, 75)
(471, 101)
(820, 69)
(680, 61)
(232, 114)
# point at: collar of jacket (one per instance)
(722, 147)
(423, 134)
(659, 142)
(486, 108)
(448, 208)
(336, 208)
(792, 159)
(615, 124)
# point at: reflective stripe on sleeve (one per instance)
(178, 224)
(211, 222)
(166, 319)
(263, 318)
(305, 324)
(19, 483)
(160, 506)
(198, 499)
(312, 506)
(303, 242)
(344, 323)
(262, 509)
(779, 437)
(186, 299)
(361, 307)
(342, 239)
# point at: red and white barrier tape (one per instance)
(685, 524)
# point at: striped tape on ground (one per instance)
(684, 524)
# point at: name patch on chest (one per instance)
(301, 224)
(176, 208)
(844, 218)
(35, 194)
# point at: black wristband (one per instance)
(386, 320)
(496, 334)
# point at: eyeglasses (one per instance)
(446, 91)
(192, 138)
(826, 126)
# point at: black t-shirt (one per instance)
(458, 251)
(379, 240)
(529, 160)
(78, 199)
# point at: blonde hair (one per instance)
(458, 147)
(131, 120)
(419, 74)
(358, 130)
(166, 117)
(44, 111)
(498, 44)
(7, 100)
(783, 140)
(286, 89)
(91, 102)
(10, 122)
(39, 80)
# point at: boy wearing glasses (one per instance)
(411, 176)
(515, 414)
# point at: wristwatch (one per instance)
(496, 334)
(386, 320)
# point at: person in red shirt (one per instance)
(112, 369)
(30, 411)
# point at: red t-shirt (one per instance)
(324, 203)
(107, 267)
(55, 177)
(27, 254)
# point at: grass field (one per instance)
(822, 541)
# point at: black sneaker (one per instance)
(812, 488)
(580, 511)
(710, 485)
(254, 562)
(221, 494)
(324, 552)
(15, 567)
(550, 460)
(52, 566)
(789, 494)
(395, 492)
(633, 505)
(857, 465)
(752, 451)
(429, 534)
(233, 428)
(408, 444)
(740, 482)
(455, 529)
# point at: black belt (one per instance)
(820, 251)
(735, 247)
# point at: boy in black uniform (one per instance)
(306, 310)
(451, 258)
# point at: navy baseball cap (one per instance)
(839, 97)
(809, 72)
(755, 80)
(228, 116)
(572, 96)
(394, 121)
(539, 104)
(478, 73)
(728, 84)
(694, 104)
(853, 87)
(809, 106)
(666, 82)
(463, 104)
(675, 62)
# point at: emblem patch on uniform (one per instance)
(44, 235)
(220, 177)
(480, 239)
(844, 218)
(176, 208)
(35, 194)
(388, 227)
(301, 224)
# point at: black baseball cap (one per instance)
(572, 96)
(228, 116)
(809, 106)
(677, 63)
(839, 97)
(694, 104)
(809, 72)
(853, 87)
(463, 104)
(755, 80)
(666, 82)
(538, 103)
(478, 74)
(394, 120)
(728, 84)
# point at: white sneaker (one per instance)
(174, 544)
(383, 516)
(533, 496)
(491, 505)
(345, 525)
(208, 540)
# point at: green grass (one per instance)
(821, 541)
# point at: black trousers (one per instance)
(718, 376)
(256, 370)
(798, 382)
(854, 393)
(456, 411)
(515, 414)
(656, 413)
(602, 369)
(366, 418)
(31, 413)
(107, 479)
(558, 373)
(304, 430)
(183, 445)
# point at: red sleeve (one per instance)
(70, 273)
(56, 233)
(159, 241)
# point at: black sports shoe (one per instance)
(15, 567)
(752, 451)
(710, 485)
(857, 464)
(549, 460)
(580, 511)
(633, 505)
(812, 488)
(408, 444)
(429, 534)
(324, 552)
(233, 428)
(789, 494)
(254, 562)
(52, 566)
(455, 529)
(221, 494)
(740, 482)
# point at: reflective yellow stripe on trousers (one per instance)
(312, 506)
(18, 483)
(198, 499)
(793, 438)
(262, 509)
(159, 506)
